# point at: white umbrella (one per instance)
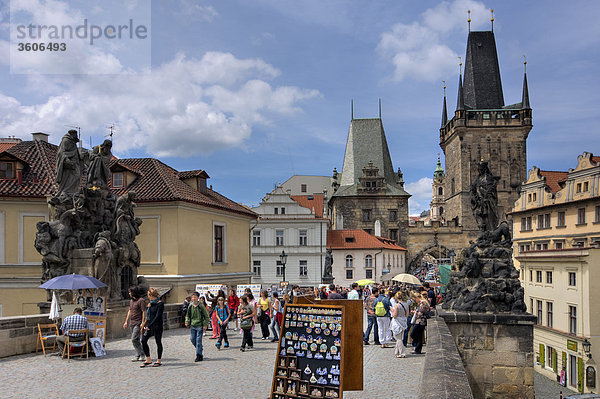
(406, 278)
(54, 313)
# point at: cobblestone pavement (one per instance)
(228, 373)
(546, 388)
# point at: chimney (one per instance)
(19, 176)
(39, 136)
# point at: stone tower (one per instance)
(438, 204)
(483, 128)
(368, 194)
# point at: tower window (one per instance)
(440, 191)
(393, 215)
(366, 217)
(441, 210)
(303, 188)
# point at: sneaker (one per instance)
(218, 345)
(226, 345)
(199, 358)
(366, 342)
(235, 329)
(263, 338)
(274, 340)
(137, 358)
(243, 349)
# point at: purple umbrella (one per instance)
(72, 282)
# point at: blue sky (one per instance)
(255, 91)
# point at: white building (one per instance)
(294, 224)
(306, 185)
(359, 255)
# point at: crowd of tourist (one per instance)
(393, 314)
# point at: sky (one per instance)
(255, 91)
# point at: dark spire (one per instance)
(482, 84)
(444, 110)
(525, 98)
(460, 102)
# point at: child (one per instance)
(223, 316)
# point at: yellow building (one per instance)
(190, 233)
(556, 245)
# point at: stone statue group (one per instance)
(85, 213)
(485, 279)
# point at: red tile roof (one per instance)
(156, 182)
(6, 146)
(193, 173)
(554, 178)
(311, 202)
(359, 239)
(159, 182)
(39, 158)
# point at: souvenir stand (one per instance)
(352, 337)
(94, 309)
(310, 353)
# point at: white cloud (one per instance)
(181, 108)
(418, 51)
(421, 195)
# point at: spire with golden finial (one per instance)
(492, 19)
(469, 19)
(460, 102)
(525, 98)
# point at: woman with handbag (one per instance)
(153, 328)
(420, 322)
(400, 312)
(264, 305)
(246, 314)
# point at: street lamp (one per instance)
(386, 269)
(452, 254)
(283, 260)
(587, 348)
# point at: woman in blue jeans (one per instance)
(153, 328)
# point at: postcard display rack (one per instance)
(309, 355)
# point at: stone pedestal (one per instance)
(496, 351)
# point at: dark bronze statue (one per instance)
(485, 279)
(98, 172)
(69, 165)
(484, 198)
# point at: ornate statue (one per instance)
(68, 165)
(485, 279)
(127, 226)
(484, 198)
(98, 171)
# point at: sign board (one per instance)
(309, 355)
(213, 288)
(97, 328)
(92, 305)
(572, 345)
(255, 288)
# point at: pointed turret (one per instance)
(439, 172)
(444, 110)
(525, 99)
(460, 101)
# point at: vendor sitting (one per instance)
(74, 322)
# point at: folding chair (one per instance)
(46, 332)
(76, 344)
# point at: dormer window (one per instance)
(7, 170)
(349, 239)
(118, 180)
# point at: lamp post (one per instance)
(587, 348)
(283, 260)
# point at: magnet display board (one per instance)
(309, 362)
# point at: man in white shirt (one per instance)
(354, 293)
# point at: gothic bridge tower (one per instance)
(483, 128)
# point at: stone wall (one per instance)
(496, 351)
(18, 334)
(352, 210)
(444, 375)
